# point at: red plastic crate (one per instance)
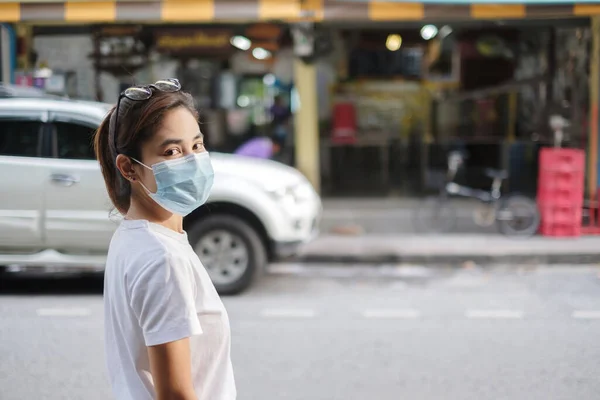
(563, 180)
(564, 221)
(561, 215)
(561, 160)
(557, 197)
(560, 178)
(572, 186)
(560, 191)
(561, 230)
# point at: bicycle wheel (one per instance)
(518, 216)
(434, 215)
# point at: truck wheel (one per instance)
(230, 250)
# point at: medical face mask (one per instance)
(183, 184)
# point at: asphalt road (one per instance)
(395, 216)
(347, 333)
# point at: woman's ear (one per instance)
(125, 167)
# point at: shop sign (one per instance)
(194, 40)
(119, 30)
(264, 31)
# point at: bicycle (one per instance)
(514, 214)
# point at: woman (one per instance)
(257, 147)
(280, 115)
(166, 330)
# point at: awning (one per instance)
(190, 11)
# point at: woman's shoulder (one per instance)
(142, 245)
(136, 237)
(154, 260)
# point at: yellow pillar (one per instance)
(592, 168)
(306, 123)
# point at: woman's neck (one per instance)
(152, 212)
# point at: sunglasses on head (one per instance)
(140, 93)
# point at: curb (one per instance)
(449, 259)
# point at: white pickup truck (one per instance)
(55, 212)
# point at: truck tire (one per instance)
(230, 250)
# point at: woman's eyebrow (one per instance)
(171, 141)
(180, 141)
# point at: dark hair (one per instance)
(138, 122)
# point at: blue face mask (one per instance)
(183, 184)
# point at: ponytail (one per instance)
(119, 189)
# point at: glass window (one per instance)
(74, 141)
(19, 138)
(374, 62)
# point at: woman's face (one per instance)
(178, 136)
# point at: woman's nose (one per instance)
(188, 150)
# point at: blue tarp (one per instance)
(8, 59)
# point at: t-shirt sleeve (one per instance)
(162, 297)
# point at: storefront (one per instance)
(412, 97)
(403, 97)
(233, 71)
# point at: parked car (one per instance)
(54, 209)
(9, 90)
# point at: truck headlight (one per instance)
(297, 193)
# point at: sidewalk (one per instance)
(380, 231)
(388, 216)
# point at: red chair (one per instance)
(344, 127)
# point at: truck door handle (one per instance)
(64, 179)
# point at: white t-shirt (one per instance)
(156, 291)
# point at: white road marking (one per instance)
(391, 314)
(288, 313)
(494, 314)
(582, 314)
(63, 312)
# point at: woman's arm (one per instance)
(163, 298)
(171, 368)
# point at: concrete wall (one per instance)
(69, 53)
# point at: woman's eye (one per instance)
(198, 146)
(172, 152)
